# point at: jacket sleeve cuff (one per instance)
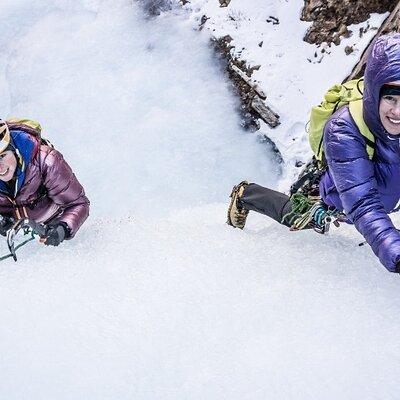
(67, 229)
(397, 267)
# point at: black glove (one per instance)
(56, 234)
(5, 224)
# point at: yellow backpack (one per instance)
(339, 95)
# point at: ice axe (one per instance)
(28, 226)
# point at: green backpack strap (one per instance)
(336, 97)
(356, 111)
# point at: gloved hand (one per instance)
(5, 224)
(56, 234)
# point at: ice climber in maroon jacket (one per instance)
(365, 190)
(36, 183)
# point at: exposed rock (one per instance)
(203, 20)
(224, 3)
(251, 96)
(273, 20)
(223, 48)
(331, 17)
(348, 50)
(391, 24)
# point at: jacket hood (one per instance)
(383, 66)
(27, 147)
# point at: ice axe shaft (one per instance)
(34, 227)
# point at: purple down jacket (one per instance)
(367, 190)
(46, 187)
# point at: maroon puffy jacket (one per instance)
(50, 191)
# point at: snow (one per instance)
(293, 74)
(156, 297)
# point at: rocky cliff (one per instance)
(331, 18)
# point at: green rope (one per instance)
(309, 211)
(299, 216)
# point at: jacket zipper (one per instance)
(19, 211)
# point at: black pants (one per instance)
(266, 201)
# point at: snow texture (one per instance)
(156, 297)
(293, 74)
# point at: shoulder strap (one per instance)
(356, 111)
(33, 128)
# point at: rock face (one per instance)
(222, 47)
(251, 95)
(331, 17)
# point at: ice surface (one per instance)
(140, 108)
(156, 298)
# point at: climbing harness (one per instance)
(28, 227)
(308, 181)
(311, 212)
(308, 210)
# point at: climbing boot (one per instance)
(236, 213)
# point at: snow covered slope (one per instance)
(156, 298)
(293, 74)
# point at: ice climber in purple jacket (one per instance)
(36, 183)
(365, 190)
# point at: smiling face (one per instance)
(8, 165)
(389, 111)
